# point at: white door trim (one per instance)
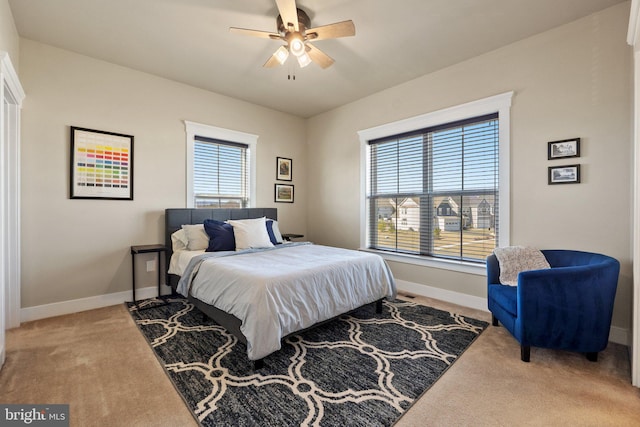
(633, 38)
(11, 97)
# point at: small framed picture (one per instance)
(284, 171)
(568, 174)
(563, 149)
(284, 193)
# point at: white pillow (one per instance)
(197, 238)
(251, 233)
(276, 231)
(514, 259)
(179, 240)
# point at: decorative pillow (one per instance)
(179, 240)
(251, 233)
(274, 232)
(514, 259)
(197, 239)
(221, 237)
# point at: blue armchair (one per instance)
(566, 307)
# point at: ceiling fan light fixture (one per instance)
(294, 28)
(304, 60)
(296, 44)
(281, 54)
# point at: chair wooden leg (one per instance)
(494, 320)
(525, 353)
(592, 357)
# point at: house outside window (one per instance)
(436, 186)
(220, 167)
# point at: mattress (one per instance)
(180, 260)
(278, 291)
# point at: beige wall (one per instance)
(9, 39)
(573, 81)
(80, 248)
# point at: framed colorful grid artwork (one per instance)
(101, 165)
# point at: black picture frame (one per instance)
(283, 193)
(101, 165)
(284, 169)
(566, 174)
(563, 149)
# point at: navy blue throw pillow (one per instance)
(221, 237)
(272, 236)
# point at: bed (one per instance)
(263, 295)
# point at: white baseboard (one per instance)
(465, 300)
(619, 336)
(74, 306)
(616, 334)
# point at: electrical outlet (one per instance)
(151, 266)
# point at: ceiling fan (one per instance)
(293, 26)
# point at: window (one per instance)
(220, 174)
(220, 167)
(427, 190)
(435, 186)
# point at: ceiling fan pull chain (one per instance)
(292, 72)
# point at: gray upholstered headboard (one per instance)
(175, 218)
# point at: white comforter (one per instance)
(279, 291)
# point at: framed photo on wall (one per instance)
(101, 165)
(284, 193)
(563, 149)
(284, 170)
(568, 174)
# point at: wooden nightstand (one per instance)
(146, 249)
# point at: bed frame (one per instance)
(175, 218)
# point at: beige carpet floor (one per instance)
(99, 363)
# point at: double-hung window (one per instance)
(220, 167)
(434, 184)
(220, 174)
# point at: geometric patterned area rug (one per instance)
(360, 369)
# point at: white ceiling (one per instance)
(189, 41)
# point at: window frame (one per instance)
(500, 104)
(198, 129)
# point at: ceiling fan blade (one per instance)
(318, 56)
(332, 31)
(288, 13)
(255, 33)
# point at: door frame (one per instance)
(11, 97)
(633, 38)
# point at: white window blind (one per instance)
(435, 191)
(220, 173)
